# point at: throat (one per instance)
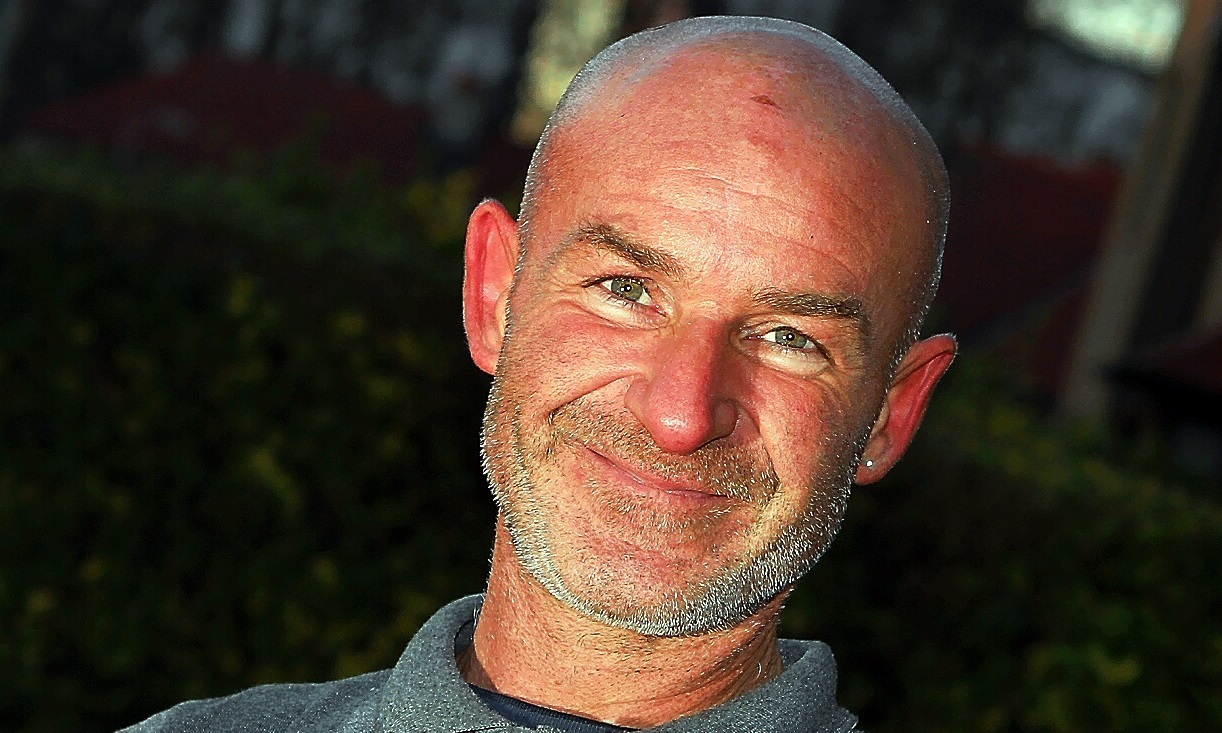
(530, 647)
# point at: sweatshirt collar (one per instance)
(425, 692)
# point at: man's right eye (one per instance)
(627, 288)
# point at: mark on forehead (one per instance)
(765, 100)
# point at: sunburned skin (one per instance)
(704, 323)
(821, 83)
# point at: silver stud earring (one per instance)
(869, 463)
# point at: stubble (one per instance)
(517, 459)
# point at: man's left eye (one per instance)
(790, 338)
(627, 288)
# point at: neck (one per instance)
(530, 646)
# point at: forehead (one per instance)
(742, 157)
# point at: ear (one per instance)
(489, 259)
(904, 406)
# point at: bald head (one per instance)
(734, 227)
(807, 51)
(830, 98)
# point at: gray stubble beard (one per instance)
(719, 602)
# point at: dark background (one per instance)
(238, 423)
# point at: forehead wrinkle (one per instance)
(610, 238)
(798, 68)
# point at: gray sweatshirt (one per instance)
(424, 693)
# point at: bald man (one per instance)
(702, 330)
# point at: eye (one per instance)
(627, 288)
(790, 338)
(791, 350)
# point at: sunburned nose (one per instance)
(680, 397)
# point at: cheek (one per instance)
(811, 436)
(567, 355)
(808, 428)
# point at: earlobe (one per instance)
(490, 256)
(904, 405)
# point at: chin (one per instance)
(660, 563)
(653, 592)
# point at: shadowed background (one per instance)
(238, 423)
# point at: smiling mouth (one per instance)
(644, 482)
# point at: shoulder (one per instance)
(271, 708)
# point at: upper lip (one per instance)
(651, 479)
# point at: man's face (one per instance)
(698, 344)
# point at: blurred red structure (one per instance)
(1023, 236)
(214, 107)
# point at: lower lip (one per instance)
(642, 487)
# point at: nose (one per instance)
(681, 398)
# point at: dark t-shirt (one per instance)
(533, 716)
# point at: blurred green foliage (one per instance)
(238, 444)
(237, 434)
(1006, 578)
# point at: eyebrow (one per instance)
(815, 305)
(610, 238)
